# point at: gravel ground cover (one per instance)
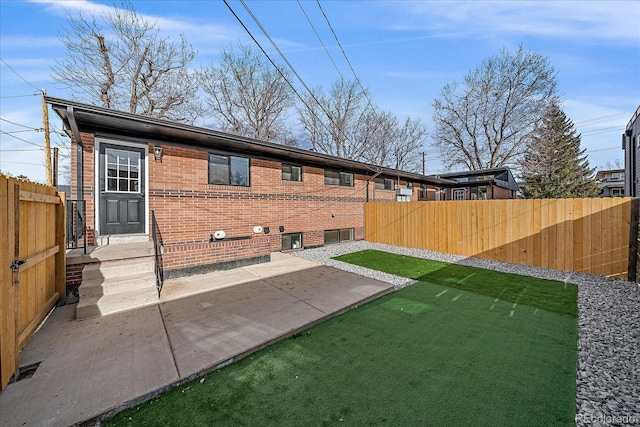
(608, 372)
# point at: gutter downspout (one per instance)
(374, 176)
(79, 152)
(79, 172)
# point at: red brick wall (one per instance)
(502, 193)
(88, 142)
(74, 274)
(188, 209)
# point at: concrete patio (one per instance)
(92, 368)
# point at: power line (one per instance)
(319, 39)
(20, 139)
(590, 122)
(20, 150)
(326, 18)
(19, 96)
(311, 93)
(21, 163)
(602, 130)
(273, 43)
(602, 149)
(18, 74)
(24, 126)
(287, 62)
(24, 130)
(265, 53)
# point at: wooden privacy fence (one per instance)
(583, 235)
(32, 264)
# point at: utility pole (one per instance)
(47, 140)
(423, 168)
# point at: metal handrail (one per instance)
(76, 225)
(157, 247)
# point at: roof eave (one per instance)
(92, 118)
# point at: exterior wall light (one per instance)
(281, 228)
(157, 153)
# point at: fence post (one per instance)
(61, 256)
(633, 240)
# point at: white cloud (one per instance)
(586, 20)
(85, 6)
(207, 38)
(30, 42)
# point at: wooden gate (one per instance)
(32, 264)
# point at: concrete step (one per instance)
(106, 270)
(115, 285)
(107, 304)
(121, 239)
(111, 252)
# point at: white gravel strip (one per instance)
(608, 380)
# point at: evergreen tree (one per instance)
(554, 165)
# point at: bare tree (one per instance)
(488, 120)
(377, 133)
(388, 143)
(118, 60)
(248, 96)
(617, 164)
(408, 145)
(331, 119)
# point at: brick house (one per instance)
(222, 200)
(219, 200)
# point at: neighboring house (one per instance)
(611, 182)
(631, 147)
(485, 184)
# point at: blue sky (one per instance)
(404, 52)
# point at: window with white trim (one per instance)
(458, 194)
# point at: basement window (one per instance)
(337, 236)
(291, 241)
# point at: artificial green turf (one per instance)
(550, 295)
(425, 355)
